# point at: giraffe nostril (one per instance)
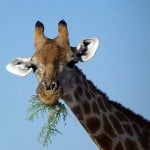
(50, 85)
(47, 85)
(53, 85)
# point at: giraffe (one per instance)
(110, 125)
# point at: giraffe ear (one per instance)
(20, 66)
(87, 48)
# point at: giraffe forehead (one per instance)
(50, 53)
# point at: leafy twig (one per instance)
(55, 112)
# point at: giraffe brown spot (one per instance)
(80, 90)
(137, 130)
(77, 111)
(93, 94)
(128, 129)
(86, 107)
(108, 128)
(77, 80)
(119, 146)
(116, 124)
(93, 124)
(85, 83)
(78, 93)
(101, 105)
(108, 105)
(144, 141)
(143, 136)
(104, 141)
(88, 95)
(121, 116)
(95, 107)
(130, 145)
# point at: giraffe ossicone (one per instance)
(109, 124)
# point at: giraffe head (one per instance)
(52, 61)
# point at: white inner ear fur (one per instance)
(20, 66)
(90, 49)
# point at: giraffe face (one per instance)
(52, 61)
(49, 61)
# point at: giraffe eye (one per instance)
(18, 63)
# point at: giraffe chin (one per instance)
(47, 99)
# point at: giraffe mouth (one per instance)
(49, 92)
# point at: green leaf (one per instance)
(55, 113)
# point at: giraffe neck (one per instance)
(110, 125)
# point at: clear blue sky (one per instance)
(121, 66)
